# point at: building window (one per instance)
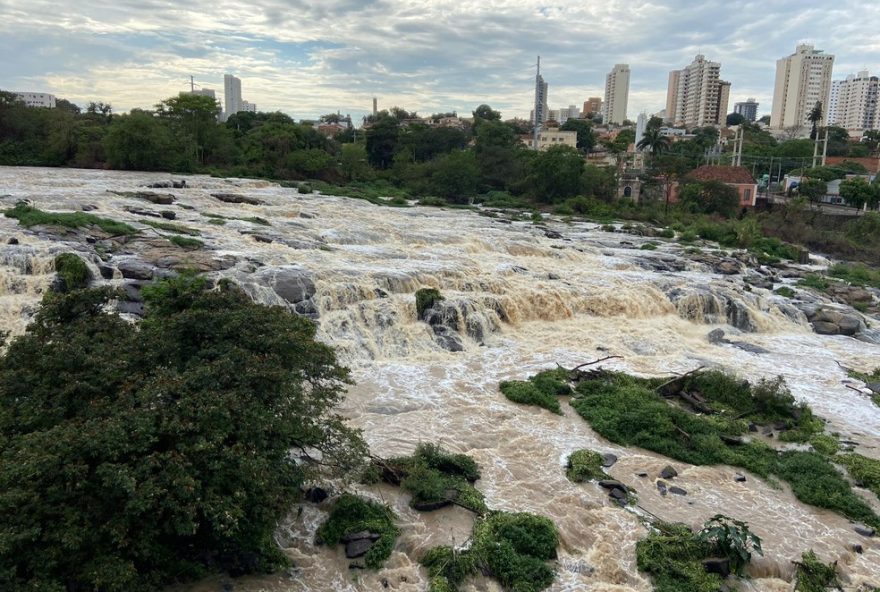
(747, 195)
(627, 191)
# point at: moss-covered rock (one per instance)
(352, 514)
(425, 299)
(72, 271)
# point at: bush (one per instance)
(584, 465)
(541, 389)
(864, 471)
(649, 246)
(666, 233)
(731, 539)
(814, 576)
(785, 291)
(304, 188)
(29, 216)
(815, 281)
(672, 555)
(438, 202)
(73, 272)
(154, 452)
(351, 514)
(857, 275)
(425, 299)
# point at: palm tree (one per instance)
(815, 117)
(654, 141)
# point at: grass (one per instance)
(856, 274)
(185, 242)
(672, 555)
(73, 271)
(221, 220)
(785, 291)
(511, 548)
(584, 465)
(628, 411)
(170, 227)
(379, 193)
(649, 246)
(432, 476)
(815, 281)
(868, 378)
(352, 514)
(541, 389)
(29, 216)
(814, 576)
(864, 471)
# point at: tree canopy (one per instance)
(133, 456)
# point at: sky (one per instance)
(310, 57)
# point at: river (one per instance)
(526, 302)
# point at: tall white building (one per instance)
(231, 94)
(641, 126)
(249, 107)
(616, 94)
(853, 102)
(35, 99)
(543, 112)
(696, 96)
(802, 80)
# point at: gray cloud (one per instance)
(308, 57)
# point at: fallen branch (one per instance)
(678, 383)
(595, 362)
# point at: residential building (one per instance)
(748, 109)
(853, 102)
(202, 92)
(564, 114)
(697, 97)
(592, 106)
(231, 94)
(802, 80)
(248, 107)
(35, 99)
(555, 137)
(738, 177)
(616, 94)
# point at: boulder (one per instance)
(727, 267)
(608, 460)
(132, 308)
(668, 472)
(716, 336)
(857, 548)
(825, 328)
(293, 284)
(661, 487)
(865, 531)
(135, 270)
(717, 565)
(12, 241)
(552, 234)
(165, 199)
(612, 484)
(619, 495)
(677, 490)
(316, 495)
(358, 548)
(168, 214)
(236, 198)
(740, 478)
(360, 535)
(849, 325)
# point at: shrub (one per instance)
(438, 202)
(73, 272)
(864, 471)
(304, 188)
(814, 576)
(672, 555)
(649, 246)
(731, 539)
(584, 465)
(425, 299)
(666, 233)
(352, 514)
(825, 444)
(541, 389)
(785, 291)
(29, 216)
(815, 281)
(857, 275)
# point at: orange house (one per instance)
(740, 178)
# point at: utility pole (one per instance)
(815, 149)
(825, 147)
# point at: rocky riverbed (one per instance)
(518, 297)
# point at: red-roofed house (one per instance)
(740, 178)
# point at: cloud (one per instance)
(308, 57)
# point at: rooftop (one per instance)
(725, 174)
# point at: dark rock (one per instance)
(720, 566)
(752, 349)
(677, 490)
(727, 267)
(740, 478)
(293, 284)
(825, 328)
(552, 234)
(716, 336)
(608, 460)
(361, 535)
(306, 308)
(260, 238)
(168, 215)
(668, 472)
(88, 208)
(661, 487)
(849, 325)
(165, 199)
(753, 427)
(12, 241)
(447, 339)
(552, 276)
(106, 271)
(384, 582)
(236, 198)
(358, 548)
(306, 215)
(858, 549)
(430, 506)
(642, 474)
(316, 495)
(618, 494)
(612, 484)
(132, 308)
(132, 291)
(865, 531)
(135, 270)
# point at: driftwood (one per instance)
(676, 385)
(594, 362)
(577, 375)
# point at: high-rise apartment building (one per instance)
(748, 109)
(853, 102)
(697, 96)
(616, 94)
(543, 110)
(592, 106)
(231, 94)
(802, 80)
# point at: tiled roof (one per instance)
(725, 174)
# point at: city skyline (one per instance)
(310, 58)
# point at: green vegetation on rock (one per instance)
(73, 271)
(865, 471)
(425, 299)
(351, 514)
(584, 465)
(512, 548)
(170, 227)
(814, 576)
(132, 456)
(185, 242)
(29, 216)
(542, 389)
(785, 291)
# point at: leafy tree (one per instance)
(353, 162)
(455, 176)
(654, 141)
(838, 141)
(814, 117)
(600, 182)
(382, 139)
(765, 120)
(193, 118)
(586, 138)
(735, 119)
(496, 148)
(485, 113)
(858, 193)
(555, 174)
(733, 539)
(813, 189)
(710, 197)
(139, 141)
(310, 162)
(134, 456)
